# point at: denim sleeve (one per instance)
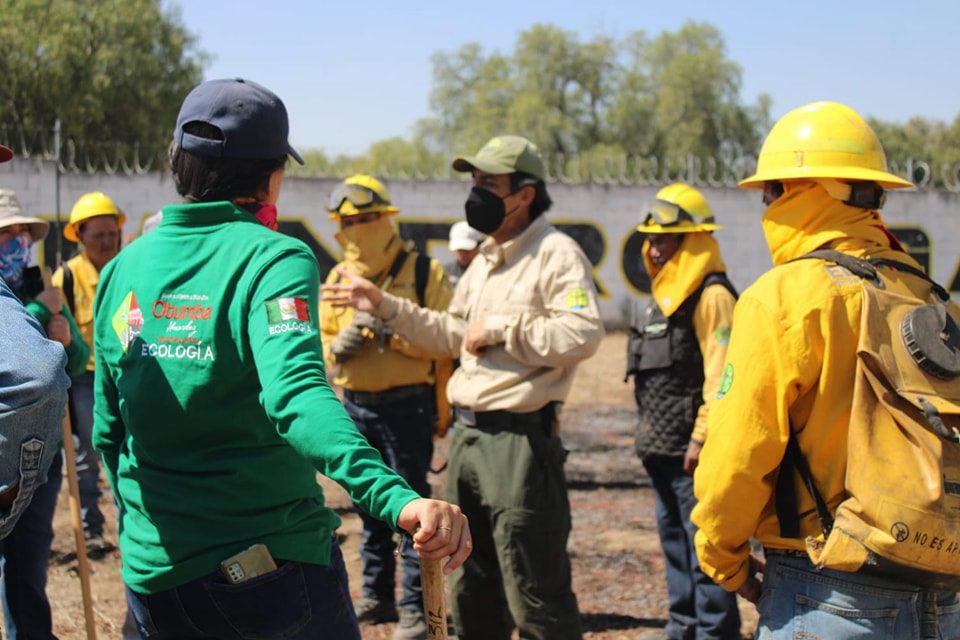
(33, 395)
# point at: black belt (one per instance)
(545, 417)
(368, 398)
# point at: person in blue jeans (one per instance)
(95, 225)
(222, 611)
(402, 431)
(676, 350)
(388, 383)
(33, 392)
(26, 550)
(212, 409)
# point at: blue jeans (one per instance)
(88, 462)
(699, 608)
(24, 555)
(798, 601)
(298, 601)
(402, 431)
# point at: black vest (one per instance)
(664, 357)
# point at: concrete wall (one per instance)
(600, 217)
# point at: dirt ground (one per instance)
(617, 564)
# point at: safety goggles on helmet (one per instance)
(359, 196)
(667, 214)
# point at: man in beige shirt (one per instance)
(523, 315)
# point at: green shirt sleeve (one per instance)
(109, 430)
(78, 353)
(284, 335)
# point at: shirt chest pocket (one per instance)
(520, 296)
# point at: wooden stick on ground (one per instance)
(434, 608)
(84, 566)
(74, 486)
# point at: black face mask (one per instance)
(485, 210)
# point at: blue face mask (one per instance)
(14, 255)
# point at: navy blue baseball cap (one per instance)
(252, 119)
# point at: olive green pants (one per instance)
(510, 484)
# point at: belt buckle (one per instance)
(466, 416)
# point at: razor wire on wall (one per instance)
(605, 168)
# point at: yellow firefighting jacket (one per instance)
(85, 279)
(790, 364)
(697, 257)
(384, 365)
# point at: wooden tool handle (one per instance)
(434, 608)
(82, 564)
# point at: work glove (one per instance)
(348, 342)
(367, 321)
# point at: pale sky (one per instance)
(355, 72)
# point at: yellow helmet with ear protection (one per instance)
(678, 208)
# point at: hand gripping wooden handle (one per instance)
(434, 608)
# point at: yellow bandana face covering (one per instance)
(674, 282)
(806, 218)
(369, 247)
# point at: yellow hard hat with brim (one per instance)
(360, 194)
(823, 140)
(678, 208)
(91, 205)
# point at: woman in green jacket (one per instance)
(212, 409)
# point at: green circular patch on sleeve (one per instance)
(722, 335)
(577, 299)
(726, 381)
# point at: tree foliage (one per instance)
(113, 71)
(593, 106)
(668, 96)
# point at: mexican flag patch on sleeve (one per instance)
(283, 309)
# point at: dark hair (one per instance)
(206, 179)
(541, 199)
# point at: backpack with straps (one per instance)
(900, 515)
(442, 369)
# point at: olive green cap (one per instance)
(504, 154)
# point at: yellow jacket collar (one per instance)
(674, 282)
(806, 218)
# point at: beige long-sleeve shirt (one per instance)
(536, 297)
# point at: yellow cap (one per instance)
(823, 140)
(360, 193)
(678, 208)
(89, 206)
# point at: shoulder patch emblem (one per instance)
(128, 321)
(288, 314)
(726, 380)
(722, 335)
(577, 299)
(283, 309)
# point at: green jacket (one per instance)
(212, 408)
(78, 353)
